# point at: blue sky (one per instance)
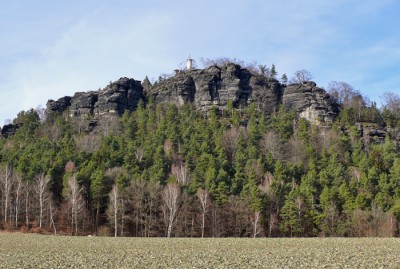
(49, 49)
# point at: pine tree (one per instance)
(273, 72)
(284, 79)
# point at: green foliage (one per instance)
(341, 173)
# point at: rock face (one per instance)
(60, 105)
(217, 85)
(117, 97)
(9, 130)
(310, 102)
(212, 86)
(372, 132)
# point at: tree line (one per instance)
(168, 171)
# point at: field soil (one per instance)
(43, 251)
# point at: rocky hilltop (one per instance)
(215, 86)
(212, 86)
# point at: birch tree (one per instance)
(27, 189)
(41, 189)
(205, 202)
(115, 211)
(114, 207)
(76, 202)
(180, 171)
(18, 189)
(255, 223)
(170, 197)
(6, 183)
(52, 213)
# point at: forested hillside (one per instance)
(173, 170)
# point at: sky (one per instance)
(53, 48)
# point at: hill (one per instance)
(219, 151)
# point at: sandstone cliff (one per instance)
(310, 102)
(212, 86)
(117, 97)
(215, 86)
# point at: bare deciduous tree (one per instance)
(205, 202)
(170, 197)
(296, 151)
(342, 92)
(114, 207)
(27, 189)
(52, 213)
(180, 171)
(229, 141)
(76, 202)
(255, 221)
(141, 207)
(41, 113)
(252, 67)
(392, 102)
(88, 142)
(6, 183)
(301, 76)
(17, 191)
(271, 144)
(41, 189)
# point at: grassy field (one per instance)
(40, 251)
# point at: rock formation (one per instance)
(9, 130)
(60, 105)
(310, 102)
(212, 86)
(117, 97)
(217, 85)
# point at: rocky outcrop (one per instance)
(215, 86)
(9, 130)
(83, 103)
(310, 102)
(212, 86)
(60, 105)
(117, 97)
(372, 133)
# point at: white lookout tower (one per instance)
(189, 63)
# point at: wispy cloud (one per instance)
(62, 48)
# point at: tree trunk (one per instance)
(27, 209)
(6, 182)
(52, 218)
(202, 224)
(255, 223)
(17, 197)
